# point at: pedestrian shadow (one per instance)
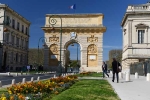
(126, 81)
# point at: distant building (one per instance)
(136, 34)
(14, 39)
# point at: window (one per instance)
(22, 42)
(17, 42)
(12, 39)
(18, 26)
(26, 44)
(16, 57)
(7, 20)
(22, 28)
(26, 30)
(141, 36)
(11, 57)
(7, 37)
(13, 23)
(21, 58)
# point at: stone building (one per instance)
(14, 39)
(85, 29)
(136, 34)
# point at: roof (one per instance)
(79, 14)
(136, 10)
(8, 8)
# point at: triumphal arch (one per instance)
(85, 29)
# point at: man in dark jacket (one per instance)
(115, 66)
(104, 69)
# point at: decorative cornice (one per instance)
(15, 13)
(78, 29)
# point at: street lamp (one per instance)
(77, 55)
(38, 48)
(53, 21)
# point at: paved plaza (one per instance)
(135, 89)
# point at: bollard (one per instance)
(32, 79)
(16, 74)
(23, 80)
(54, 76)
(111, 72)
(127, 76)
(38, 78)
(26, 73)
(13, 82)
(0, 84)
(148, 77)
(21, 73)
(120, 75)
(8, 73)
(136, 75)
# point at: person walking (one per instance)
(104, 69)
(115, 67)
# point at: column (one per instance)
(84, 58)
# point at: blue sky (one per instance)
(113, 10)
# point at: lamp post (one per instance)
(77, 55)
(53, 21)
(38, 49)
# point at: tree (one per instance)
(116, 53)
(33, 56)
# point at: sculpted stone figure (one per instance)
(92, 49)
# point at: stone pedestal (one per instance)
(32, 79)
(13, 82)
(120, 75)
(23, 80)
(127, 76)
(136, 75)
(148, 77)
(38, 79)
(16, 74)
(0, 84)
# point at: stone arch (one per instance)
(72, 41)
(92, 55)
(67, 53)
(83, 29)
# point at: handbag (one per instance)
(118, 68)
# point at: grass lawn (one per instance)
(88, 90)
(3, 90)
(93, 74)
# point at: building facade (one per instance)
(136, 35)
(85, 29)
(14, 39)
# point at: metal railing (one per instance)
(142, 68)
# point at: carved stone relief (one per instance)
(92, 39)
(92, 49)
(54, 48)
(54, 39)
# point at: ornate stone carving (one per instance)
(54, 48)
(92, 39)
(54, 39)
(92, 49)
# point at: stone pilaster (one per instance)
(130, 32)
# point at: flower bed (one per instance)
(38, 90)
